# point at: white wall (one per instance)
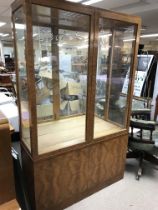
(8, 51)
(1, 52)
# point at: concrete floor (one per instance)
(127, 194)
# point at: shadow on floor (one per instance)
(149, 169)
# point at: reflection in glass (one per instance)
(61, 41)
(73, 56)
(43, 71)
(23, 84)
(123, 46)
(115, 48)
(102, 67)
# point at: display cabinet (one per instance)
(70, 73)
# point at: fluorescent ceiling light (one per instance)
(5, 35)
(19, 26)
(75, 1)
(2, 24)
(82, 47)
(128, 40)
(149, 35)
(91, 2)
(45, 59)
(1, 34)
(60, 45)
(35, 35)
(22, 38)
(143, 29)
(105, 48)
(104, 35)
(117, 46)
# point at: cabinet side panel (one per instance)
(28, 174)
(72, 176)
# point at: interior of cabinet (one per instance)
(67, 132)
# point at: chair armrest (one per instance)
(142, 124)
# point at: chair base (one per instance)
(141, 155)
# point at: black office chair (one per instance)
(143, 139)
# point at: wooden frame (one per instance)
(74, 172)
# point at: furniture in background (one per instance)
(9, 63)
(7, 187)
(67, 156)
(6, 82)
(143, 139)
(9, 108)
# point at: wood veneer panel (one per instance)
(69, 177)
(107, 160)
(62, 178)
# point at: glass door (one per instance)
(114, 63)
(61, 48)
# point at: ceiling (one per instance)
(5, 15)
(147, 9)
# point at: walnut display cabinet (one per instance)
(71, 65)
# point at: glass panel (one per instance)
(115, 53)
(123, 51)
(23, 80)
(102, 68)
(43, 70)
(73, 58)
(61, 40)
